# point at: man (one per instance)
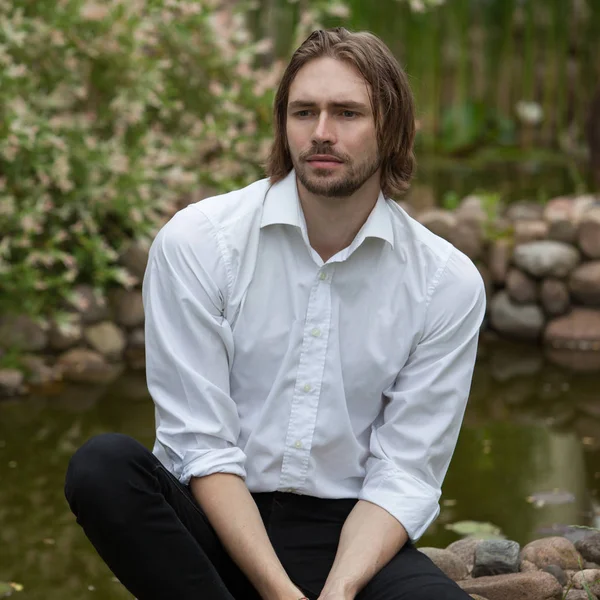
(309, 351)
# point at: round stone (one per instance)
(589, 578)
(128, 306)
(515, 320)
(515, 586)
(496, 557)
(552, 551)
(521, 288)
(546, 258)
(555, 297)
(559, 573)
(135, 258)
(589, 232)
(529, 231)
(472, 210)
(465, 550)
(589, 547)
(92, 306)
(11, 382)
(468, 238)
(67, 334)
(107, 339)
(585, 283)
(23, 333)
(558, 213)
(440, 222)
(574, 594)
(573, 341)
(579, 330)
(448, 562)
(86, 366)
(525, 210)
(499, 259)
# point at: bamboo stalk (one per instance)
(436, 76)
(507, 60)
(561, 40)
(461, 31)
(478, 54)
(528, 72)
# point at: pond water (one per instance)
(527, 461)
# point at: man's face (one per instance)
(331, 129)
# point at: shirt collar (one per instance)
(282, 206)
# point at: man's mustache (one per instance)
(317, 150)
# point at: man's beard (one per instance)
(320, 184)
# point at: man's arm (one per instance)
(189, 346)
(234, 515)
(412, 448)
(370, 538)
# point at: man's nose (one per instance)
(324, 131)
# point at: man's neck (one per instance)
(332, 223)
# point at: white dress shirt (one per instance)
(344, 379)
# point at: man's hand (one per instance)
(336, 591)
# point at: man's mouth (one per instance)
(324, 161)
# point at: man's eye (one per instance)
(349, 113)
(303, 113)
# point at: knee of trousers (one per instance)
(99, 465)
(440, 592)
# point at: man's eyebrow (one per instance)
(337, 104)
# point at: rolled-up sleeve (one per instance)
(411, 448)
(189, 348)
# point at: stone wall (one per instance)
(552, 568)
(104, 335)
(540, 264)
(541, 267)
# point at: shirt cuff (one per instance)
(199, 463)
(411, 501)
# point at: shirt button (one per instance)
(307, 387)
(322, 276)
(298, 444)
(315, 332)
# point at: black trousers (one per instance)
(155, 538)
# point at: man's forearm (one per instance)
(232, 512)
(370, 538)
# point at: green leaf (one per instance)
(476, 529)
(463, 126)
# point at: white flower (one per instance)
(93, 12)
(264, 46)
(16, 71)
(339, 10)
(530, 113)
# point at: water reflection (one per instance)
(530, 428)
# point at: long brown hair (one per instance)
(391, 99)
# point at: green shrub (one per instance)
(110, 112)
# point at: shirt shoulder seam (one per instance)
(437, 278)
(222, 247)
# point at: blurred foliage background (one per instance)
(113, 113)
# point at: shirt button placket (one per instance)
(306, 398)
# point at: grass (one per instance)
(586, 586)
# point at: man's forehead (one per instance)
(328, 80)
